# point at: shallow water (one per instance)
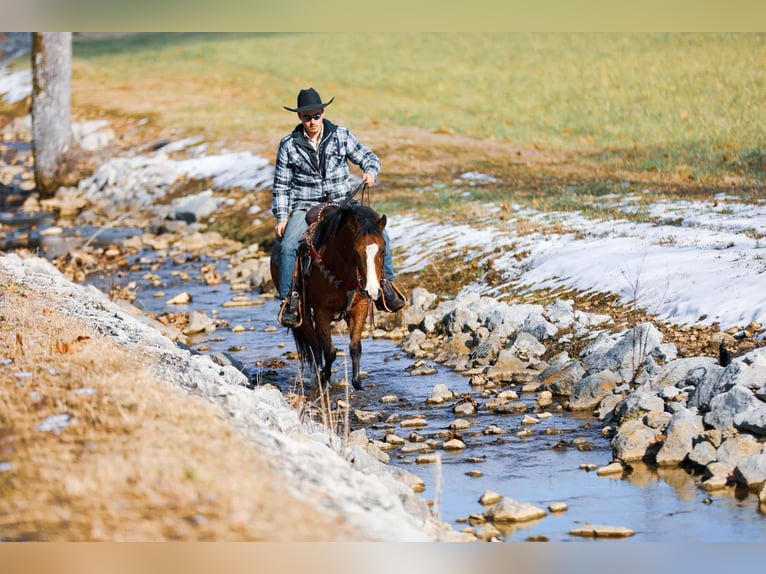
(659, 505)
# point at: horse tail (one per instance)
(307, 345)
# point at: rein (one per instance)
(329, 276)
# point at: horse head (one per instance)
(369, 248)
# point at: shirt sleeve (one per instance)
(280, 190)
(361, 155)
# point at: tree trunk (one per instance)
(51, 106)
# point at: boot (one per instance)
(290, 311)
(391, 299)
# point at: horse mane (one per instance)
(329, 226)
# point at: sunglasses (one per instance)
(307, 117)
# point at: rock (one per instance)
(509, 510)
(560, 380)
(625, 354)
(752, 420)
(415, 447)
(490, 497)
(431, 458)
(639, 402)
(607, 407)
(439, 394)
(528, 420)
(558, 507)
(684, 427)
(458, 344)
(368, 417)
(423, 369)
(751, 472)
(588, 392)
(488, 532)
(703, 454)
(726, 406)
(527, 346)
(634, 441)
(460, 424)
(601, 531)
(544, 399)
(464, 408)
(561, 313)
(537, 326)
(657, 420)
(414, 423)
(714, 483)
(506, 366)
(394, 439)
(611, 468)
(731, 452)
(182, 298)
(454, 444)
(411, 343)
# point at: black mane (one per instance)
(329, 226)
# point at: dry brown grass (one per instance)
(140, 461)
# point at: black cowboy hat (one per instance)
(309, 99)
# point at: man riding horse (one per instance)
(312, 168)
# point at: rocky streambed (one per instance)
(513, 421)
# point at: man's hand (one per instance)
(368, 179)
(279, 229)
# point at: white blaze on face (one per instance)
(373, 286)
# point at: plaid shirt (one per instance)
(304, 176)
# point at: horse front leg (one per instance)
(324, 335)
(356, 318)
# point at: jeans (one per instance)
(288, 251)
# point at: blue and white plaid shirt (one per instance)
(304, 176)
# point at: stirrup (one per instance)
(290, 313)
(391, 298)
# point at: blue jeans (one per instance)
(288, 251)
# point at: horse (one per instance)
(342, 279)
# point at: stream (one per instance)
(541, 468)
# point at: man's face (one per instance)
(312, 121)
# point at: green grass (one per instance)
(654, 101)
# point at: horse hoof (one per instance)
(357, 384)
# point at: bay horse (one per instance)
(343, 279)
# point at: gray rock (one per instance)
(725, 406)
(684, 427)
(735, 449)
(509, 510)
(751, 472)
(560, 379)
(461, 319)
(537, 326)
(560, 313)
(506, 366)
(588, 392)
(634, 441)
(511, 316)
(412, 342)
(658, 420)
(527, 346)
(703, 453)
(637, 402)
(607, 406)
(752, 420)
(711, 380)
(626, 354)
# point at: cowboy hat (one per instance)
(309, 99)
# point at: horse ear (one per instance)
(382, 222)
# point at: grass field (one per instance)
(676, 103)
